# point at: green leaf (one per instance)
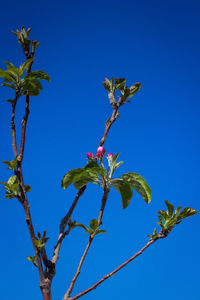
(83, 179)
(27, 188)
(6, 162)
(9, 196)
(38, 75)
(40, 243)
(15, 71)
(13, 74)
(170, 208)
(8, 76)
(163, 214)
(154, 235)
(13, 179)
(177, 211)
(115, 157)
(93, 165)
(70, 177)
(134, 89)
(107, 84)
(31, 84)
(82, 226)
(117, 165)
(25, 65)
(31, 258)
(79, 177)
(119, 83)
(186, 213)
(33, 93)
(101, 231)
(94, 225)
(125, 189)
(9, 85)
(139, 184)
(14, 187)
(9, 65)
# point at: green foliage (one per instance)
(92, 231)
(139, 184)
(128, 181)
(154, 235)
(29, 84)
(22, 36)
(38, 75)
(119, 85)
(125, 190)
(12, 186)
(27, 188)
(25, 65)
(113, 165)
(169, 218)
(82, 176)
(32, 259)
(11, 164)
(41, 242)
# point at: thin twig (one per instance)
(91, 238)
(94, 286)
(115, 115)
(24, 123)
(13, 131)
(63, 225)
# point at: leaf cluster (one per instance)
(92, 231)
(169, 218)
(41, 242)
(114, 85)
(12, 187)
(22, 37)
(79, 177)
(94, 173)
(32, 259)
(29, 84)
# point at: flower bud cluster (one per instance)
(100, 154)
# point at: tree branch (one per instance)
(23, 198)
(91, 238)
(24, 123)
(63, 225)
(94, 286)
(115, 115)
(13, 131)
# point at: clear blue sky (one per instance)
(82, 42)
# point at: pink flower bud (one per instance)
(89, 155)
(99, 154)
(101, 150)
(110, 155)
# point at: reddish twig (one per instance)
(91, 238)
(115, 115)
(94, 286)
(63, 225)
(13, 131)
(24, 123)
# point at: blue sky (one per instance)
(82, 42)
